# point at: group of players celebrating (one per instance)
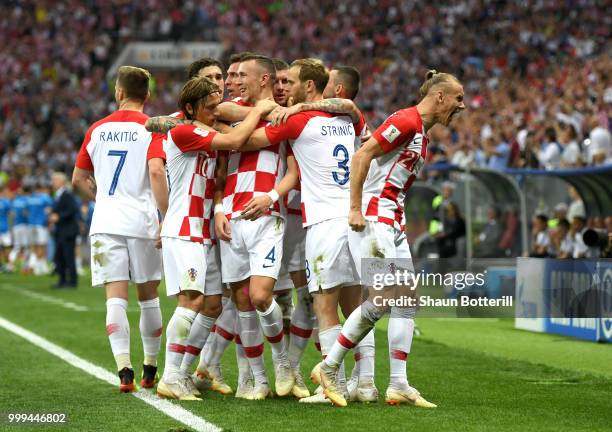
(279, 187)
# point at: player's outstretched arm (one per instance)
(82, 182)
(236, 138)
(360, 166)
(257, 206)
(231, 112)
(332, 105)
(162, 124)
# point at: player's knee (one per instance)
(212, 307)
(261, 300)
(372, 312)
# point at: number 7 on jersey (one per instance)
(122, 155)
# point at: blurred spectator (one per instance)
(549, 153)
(576, 207)
(562, 241)
(540, 240)
(453, 230)
(488, 239)
(571, 157)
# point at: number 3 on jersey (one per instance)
(342, 165)
(270, 258)
(122, 155)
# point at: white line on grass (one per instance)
(175, 411)
(46, 298)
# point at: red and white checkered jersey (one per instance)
(323, 145)
(187, 148)
(404, 141)
(251, 174)
(117, 148)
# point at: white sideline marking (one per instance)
(175, 411)
(47, 299)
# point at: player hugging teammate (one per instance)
(233, 247)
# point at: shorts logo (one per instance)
(203, 133)
(391, 133)
(193, 273)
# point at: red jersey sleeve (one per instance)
(156, 147)
(290, 130)
(395, 131)
(83, 160)
(360, 125)
(189, 138)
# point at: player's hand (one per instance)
(266, 106)
(281, 114)
(222, 227)
(356, 220)
(53, 218)
(256, 207)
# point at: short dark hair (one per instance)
(195, 67)
(263, 62)
(312, 69)
(194, 90)
(542, 218)
(237, 58)
(564, 223)
(279, 64)
(350, 78)
(134, 81)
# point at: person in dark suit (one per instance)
(65, 218)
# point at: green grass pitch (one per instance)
(483, 374)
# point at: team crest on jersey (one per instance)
(391, 133)
(203, 133)
(192, 273)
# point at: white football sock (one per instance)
(200, 329)
(302, 321)
(224, 333)
(399, 334)
(150, 329)
(176, 339)
(272, 326)
(118, 331)
(244, 369)
(252, 341)
(364, 357)
(328, 339)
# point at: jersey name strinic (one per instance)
(323, 145)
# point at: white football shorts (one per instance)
(294, 244)
(328, 259)
(118, 258)
(40, 235)
(184, 265)
(5, 239)
(213, 284)
(256, 249)
(22, 236)
(379, 241)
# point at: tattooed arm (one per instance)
(162, 124)
(332, 105)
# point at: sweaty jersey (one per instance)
(5, 208)
(404, 141)
(187, 148)
(117, 149)
(251, 174)
(38, 203)
(323, 145)
(19, 207)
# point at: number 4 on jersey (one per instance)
(270, 257)
(122, 155)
